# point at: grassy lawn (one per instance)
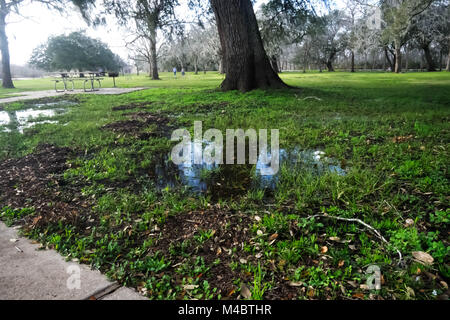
(98, 187)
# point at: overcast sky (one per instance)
(38, 23)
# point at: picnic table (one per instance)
(93, 77)
(91, 81)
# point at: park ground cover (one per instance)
(91, 187)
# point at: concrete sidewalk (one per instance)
(30, 274)
(32, 95)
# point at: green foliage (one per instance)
(74, 52)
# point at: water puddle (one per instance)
(39, 113)
(228, 180)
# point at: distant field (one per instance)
(212, 79)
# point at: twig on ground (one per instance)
(375, 231)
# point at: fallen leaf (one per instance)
(273, 237)
(190, 287)
(296, 284)
(358, 295)
(341, 263)
(231, 292)
(423, 257)
(245, 291)
(410, 292)
(337, 239)
(324, 249)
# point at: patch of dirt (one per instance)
(137, 123)
(230, 231)
(36, 181)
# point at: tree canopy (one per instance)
(74, 52)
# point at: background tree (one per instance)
(144, 52)
(331, 38)
(203, 46)
(13, 6)
(74, 52)
(398, 16)
(283, 23)
(148, 16)
(431, 27)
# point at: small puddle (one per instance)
(37, 114)
(228, 180)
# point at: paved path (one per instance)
(31, 95)
(31, 274)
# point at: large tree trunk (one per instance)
(428, 57)
(406, 59)
(330, 66)
(195, 66)
(153, 55)
(329, 62)
(6, 67)
(390, 62)
(353, 61)
(398, 58)
(246, 63)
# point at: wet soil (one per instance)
(231, 230)
(137, 122)
(36, 181)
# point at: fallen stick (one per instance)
(375, 231)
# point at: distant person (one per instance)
(175, 71)
(182, 72)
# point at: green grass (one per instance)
(390, 132)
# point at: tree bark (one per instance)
(390, 62)
(153, 55)
(329, 62)
(406, 59)
(196, 67)
(428, 57)
(398, 58)
(246, 63)
(4, 47)
(353, 61)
